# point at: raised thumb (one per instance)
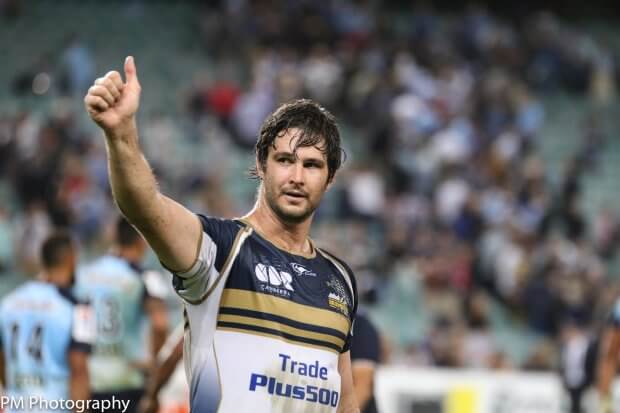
(131, 74)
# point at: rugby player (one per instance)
(46, 335)
(121, 292)
(268, 314)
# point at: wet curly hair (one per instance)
(317, 128)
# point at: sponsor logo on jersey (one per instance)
(298, 390)
(273, 281)
(301, 270)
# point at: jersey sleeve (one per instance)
(217, 240)
(365, 344)
(83, 331)
(349, 279)
(352, 311)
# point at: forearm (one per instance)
(608, 361)
(113, 104)
(132, 181)
(606, 374)
(158, 338)
(2, 372)
(80, 387)
(157, 217)
(348, 408)
(363, 396)
(163, 371)
(348, 403)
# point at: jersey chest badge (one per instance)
(338, 298)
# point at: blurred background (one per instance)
(479, 204)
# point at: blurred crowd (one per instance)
(444, 205)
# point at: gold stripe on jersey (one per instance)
(277, 337)
(255, 301)
(274, 325)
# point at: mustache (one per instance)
(295, 192)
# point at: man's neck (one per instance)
(130, 254)
(290, 236)
(56, 276)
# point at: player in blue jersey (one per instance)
(121, 293)
(46, 334)
(268, 314)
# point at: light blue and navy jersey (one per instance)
(39, 325)
(264, 327)
(117, 291)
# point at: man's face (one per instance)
(294, 182)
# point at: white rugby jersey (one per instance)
(264, 328)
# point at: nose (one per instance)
(297, 175)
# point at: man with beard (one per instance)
(46, 335)
(268, 315)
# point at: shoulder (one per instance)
(344, 270)
(103, 263)
(68, 296)
(219, 224)
(220, 231)
(342, 266)
(27, 290)
(7, 299)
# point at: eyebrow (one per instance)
(292, 155)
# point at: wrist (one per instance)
(125, 131)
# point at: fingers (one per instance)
(116, 79)
(112, 82)
(131, 74)
(95, 103)
(102, 92)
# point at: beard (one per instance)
(289, 215)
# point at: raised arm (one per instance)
(171, 230)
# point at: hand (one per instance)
(111, 103)
(148, 405)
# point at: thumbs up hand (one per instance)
(113, 104)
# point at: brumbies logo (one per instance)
(301, 270)
(338, 297)
(274, 281)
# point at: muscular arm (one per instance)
(79, 382)
(348, 403)
(172, 231)
(608, 360)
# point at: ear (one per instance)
(259, 169)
